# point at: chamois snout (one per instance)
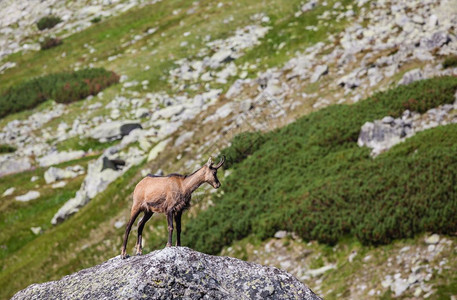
(212, 173)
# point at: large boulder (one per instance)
(55, 158)
(173, 273)
(10, 164)
(100, 173)
(54, 174)
(113, 130)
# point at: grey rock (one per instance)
(55, 158)
(11, 165)
(411, 76)
(224, 110)
(171, 111)
(280, 234)
(98, 179)
(172, 273)
(183, 138)
(31, 195)
(113, 164)
(235, 89)
(9, 192)
(129, 127)
(437, 40)
(54, 174)
(119, 224)
(36, 230)
(379, 136)
(113, 130)
(246, 105)
(319, 71)
(142, 113)
(320, 271)
(59, 185)
(309, 5)
(387, 120)
(433, 239)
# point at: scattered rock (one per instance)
(59, 185)
(280, 234)
(36, 230)
(184, 138)
(28, 196)
(119, 224)
(11, 165)
(9, 191)
(34, 178)
(54, 174)
(319, 71)
(174, 272)
(98, 179)
(411, 76)
(55, 158)
(433, 239)
(320, 271)
(113, 130)
(113, 164)
(157, 149)
(437, 40)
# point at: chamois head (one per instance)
(211, 172)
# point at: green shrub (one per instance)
(48, 22)
(450, 62)
(7, 148)
(241, 147)
(62, 87)
(50, 42)
(311, 177)
(96, 19)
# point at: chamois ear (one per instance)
(209, 163)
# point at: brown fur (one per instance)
(169, 195)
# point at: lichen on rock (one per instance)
(175, 272)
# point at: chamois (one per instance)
(169, 195)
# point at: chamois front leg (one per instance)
(146, 217)
(170, 228)
(178, 228)
(133, 215)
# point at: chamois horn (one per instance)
(220, 163)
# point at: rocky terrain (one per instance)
(173, 273)
(186, 89)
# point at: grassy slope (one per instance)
(311, 177)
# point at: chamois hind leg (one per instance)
(133, 215)
(146, 217)
(178, 228)
(170, 228)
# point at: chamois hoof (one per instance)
(169, 245)
(139, 253)
(124, 256)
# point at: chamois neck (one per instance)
(193, 181)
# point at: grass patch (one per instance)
(86, 144)
(7, 148)
(63, 87)
(48, 22)
(450, 62)
(311, 177)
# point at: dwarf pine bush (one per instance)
(50, 42)
(48, 22)
(310, 177)
(62, 87)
